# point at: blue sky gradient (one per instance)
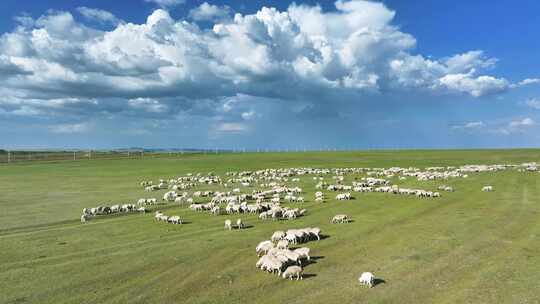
(349, 74)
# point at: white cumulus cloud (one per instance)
(474, 85)
(533, 103)
(528, 81)
(98, 15)
(522, 122)
(163, 65)
(248, 115)
(210, 12)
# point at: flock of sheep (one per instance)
(88, 213)
(276, 257)
(263, 192)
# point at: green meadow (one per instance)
(467, 246)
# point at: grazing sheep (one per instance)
(261, 261)
(366, 278)
(239, 224)
(174, 220)
(292, 256)
(277, 236)
(264, 247)
(316, 231)
(151, 188)
(293, 271)
(340, 218)
(170, 196)
(282, 244)
(303, 252)
(270, 264)
(289, 214)
(487, 188)
(343, 196)
(228, 224)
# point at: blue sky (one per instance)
(349, 74)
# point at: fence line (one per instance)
(20, 156)
(7, 157)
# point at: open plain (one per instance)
(466, 246)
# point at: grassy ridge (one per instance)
(467, 246)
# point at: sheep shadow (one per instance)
(306, 263)
(324, 236)
(243, 228)
(312, 260)
(308, 275)
(378, 281)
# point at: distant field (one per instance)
(465, 247)
(7, 157)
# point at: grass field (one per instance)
(465, 247)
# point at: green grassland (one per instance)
(465, 247)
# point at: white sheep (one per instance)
(174, 220)
(316, 232)
(169, 196)
(366, 278)
(293, 271)
(340, 218)
(487, 188)
(264, 247)
(343, 196)
(282, 244)
(303, 252)
(141, 210)
(278, 235)
(228, 224)
(239, 224)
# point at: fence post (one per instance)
(74, 155)
(89, 154)
(8, 156)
